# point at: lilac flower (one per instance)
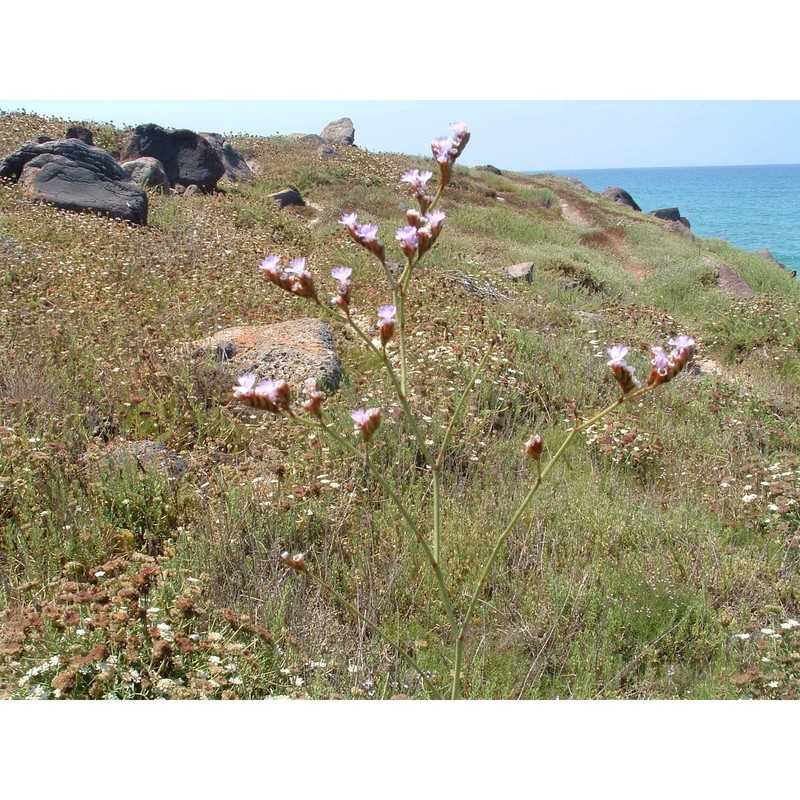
(660, 362)
(298, 267)
(460, 140)
(682, 342)
(270, 266)
(622, 371)
(367, 421)
(314, 397)
(342, 276)
(441, 149)
(409, 239)
(349, 221)
(387, 313)
(367, 233)
(416, 178)
(617, 354)
(245, 384)
(435, 220)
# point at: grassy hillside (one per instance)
(669, 534)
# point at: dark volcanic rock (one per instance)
(288, 197)
(81, 133)
(187, 157)
(492, 169)
(620, 196)
(339, 132)
(72, 175)
(679, 228)
(308, 138)
(672, 214)
(236, 168)
(147, 172)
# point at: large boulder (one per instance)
(672, 214)
(236, 168)
(339, 132)
(69, 174)
(620, 196)
(187, 157)
(292, 351)
(147, 172)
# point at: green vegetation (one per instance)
(661, 562)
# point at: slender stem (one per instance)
(542, 474)
(400, 303)
(395, 382)
(458, 660)
(412, 526)
(437, 514)
(377, 629)
(461, 402)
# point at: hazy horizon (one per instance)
(516, 135)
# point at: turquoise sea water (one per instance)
(750, 206)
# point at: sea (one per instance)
(751, 207)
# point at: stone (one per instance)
(326, 151)
(672, 214)
(236, 167)
(620, 196)
(288, 197)
(147, 172)
(765, 253)
(42, 139)
(187, 157)
(523, 271)
(69, 174)
(292, 351)
(729, 282)
(80, 133)
(492, 169)
(339, 132)
(676, 226)
(308, 138)
(191, 190)
(577, 183)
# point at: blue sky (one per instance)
(512, 134)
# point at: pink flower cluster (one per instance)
(295, 279)
(664, 367)
(420, 235)
(268, 395)
(366, 421)
(446, 150)
(364, 235)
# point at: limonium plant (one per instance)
(423, 226)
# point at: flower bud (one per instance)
(386, 320)
(314, 397)
(623, 372)
(296, 562)
(533, 447)
(367, 421)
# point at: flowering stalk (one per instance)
(681, 354)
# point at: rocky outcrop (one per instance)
(620, 196)
(308, 138)
(141, 456)
(292, 351)
(339, 132)
(147, 172)
(236, 167)
(187, 157)
(69, 174)
(490, 168)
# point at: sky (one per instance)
(517, 135)
(579, 86)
